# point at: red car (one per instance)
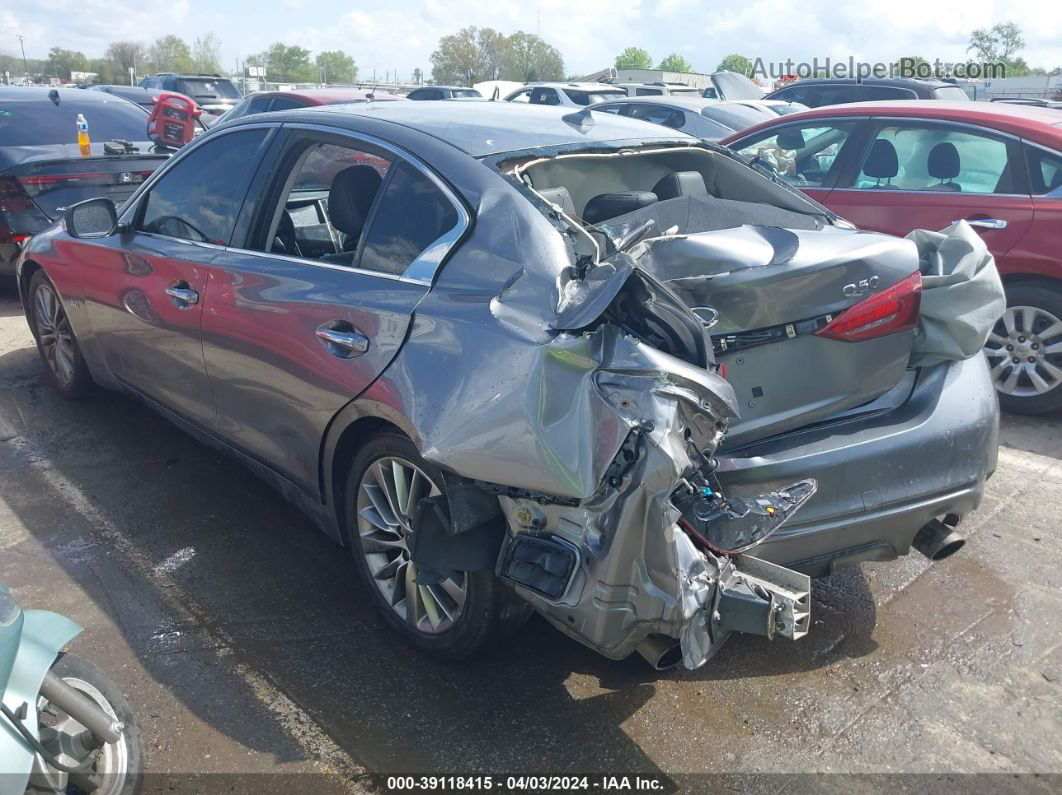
(288, 100)
(897, 166)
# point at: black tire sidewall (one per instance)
(81, 385)
(478, 620)
(1048, 298)
(69, 665)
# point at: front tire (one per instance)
(56, 343)
(119, 766)
(1024, 350)
(453, 620)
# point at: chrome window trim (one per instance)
(395, 277)
(133, 202)
(421, 270)
(978, 129)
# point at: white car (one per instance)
(707, 119)
(574, 95)
(779, 107)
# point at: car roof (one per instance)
(43, 94)
(574, 84)
(694, 103)
(484, 128)
(1044, 124)
(332, 96)
(448, 88)
(904, 82)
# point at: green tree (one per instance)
(469, 56)
(634, 58)
(675, 63)
(336, 67)
(529, 58)
(62, 62)
(735, 63)
(206, 54)
(285, 63)
(170, 54)
(126, 55)
(999, 43)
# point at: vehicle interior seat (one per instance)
(610, 205)
(882, 164)
(681, 183)
(350, 198)
(943, 164)
(284, 241)
(559, 196)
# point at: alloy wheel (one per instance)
(387, 498)
(1024, 351)
(53, 331)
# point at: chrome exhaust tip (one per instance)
(661, 652)
(938, 541)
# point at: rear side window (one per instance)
(936, 158)
(258, 105)
(412, 214)
(887, 92)
(284, 103)
(1045, 172)
(950, 93)
(206, 88)
(32, 123)
(199, 198)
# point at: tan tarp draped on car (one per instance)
(962, 295)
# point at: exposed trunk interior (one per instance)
(764, 265)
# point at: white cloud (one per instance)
(401, 34)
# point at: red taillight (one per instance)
(892, 310)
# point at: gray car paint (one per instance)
(494, 384)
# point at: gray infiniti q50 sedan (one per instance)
(519, 358)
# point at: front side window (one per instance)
(871, 93)
(544, 96)
(935, 158)
(580, 97)
(286, 103)
(199, 198)
(413, 213)
(801, 155)
(520, 96)
(1045, 172)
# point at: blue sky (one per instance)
(400, 35)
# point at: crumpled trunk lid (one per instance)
(768, 291)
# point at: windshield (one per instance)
(735, 86)
(33, 123)
(204, 87)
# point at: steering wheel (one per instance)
(173, 226)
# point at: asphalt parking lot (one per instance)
(244, 645)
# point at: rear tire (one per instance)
(481, 611)
(1028, 332)
(56, 343)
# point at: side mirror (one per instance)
(91, 218)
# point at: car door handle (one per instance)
(182, 293)
(985, 223)
(342, 340)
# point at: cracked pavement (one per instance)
(244, 644)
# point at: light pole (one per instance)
(25, 67)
